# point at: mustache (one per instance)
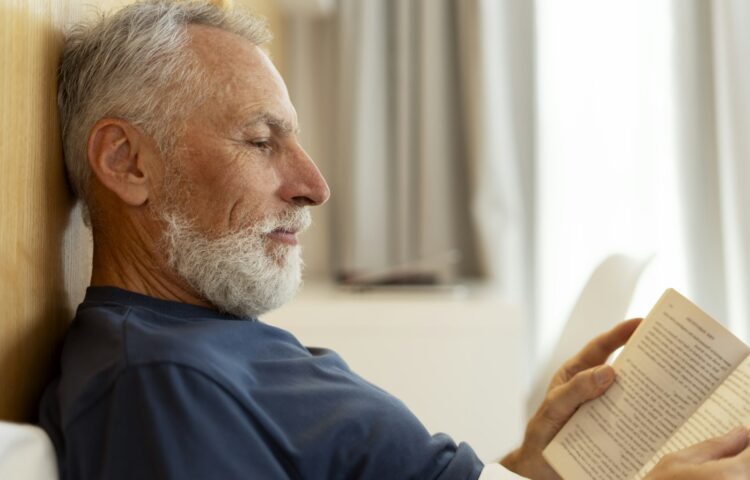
(297, 219)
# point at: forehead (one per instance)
(242, 78)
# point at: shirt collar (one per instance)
(99, 295)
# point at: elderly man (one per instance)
(180, 138)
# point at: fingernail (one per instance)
(603, 375)
(739, 430)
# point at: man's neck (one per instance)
(128, 259)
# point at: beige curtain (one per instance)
(400, 179)
(497, 65)
(421, 115)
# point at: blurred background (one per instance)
(509, 178)
(521, 143)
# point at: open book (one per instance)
(682, 378)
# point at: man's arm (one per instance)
(585, 377)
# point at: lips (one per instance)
(283, 235)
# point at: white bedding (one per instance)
(26, 453)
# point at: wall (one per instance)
(44, 248)
(270, 10)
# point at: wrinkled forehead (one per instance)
(240, 75)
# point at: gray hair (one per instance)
(134, 65)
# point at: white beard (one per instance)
(242, 273)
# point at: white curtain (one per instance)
(712, 56)
(644, 109)
(731, 33)
(606, 157)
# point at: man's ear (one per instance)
(118, 155)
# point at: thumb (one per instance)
(563, 401)
(727, 445)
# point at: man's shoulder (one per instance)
(235, 376)
(134, 335)
(107, 339)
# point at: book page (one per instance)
(676, 358)
(726, 408)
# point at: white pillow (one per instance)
(26, 453)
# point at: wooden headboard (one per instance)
(45, 250)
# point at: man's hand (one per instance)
(723, 458)
(580, 379)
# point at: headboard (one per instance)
(45, 250)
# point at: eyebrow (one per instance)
(283, 126)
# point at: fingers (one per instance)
(582, 379)
(563, 400)
(724, 458)
(599, 349)
(741, 462)
(727, 445)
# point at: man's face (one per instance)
(238, 185)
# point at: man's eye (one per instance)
(264, 145)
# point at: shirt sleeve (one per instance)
(169, 422)
(495, 471)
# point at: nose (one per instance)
(304, 185)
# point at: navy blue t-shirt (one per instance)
(153, 389)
